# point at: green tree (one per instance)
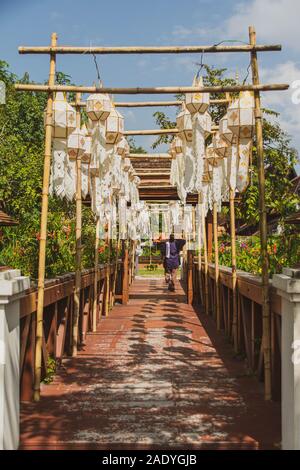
(21, 169)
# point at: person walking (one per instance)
(171, 250)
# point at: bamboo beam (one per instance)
(43, 229)
(95, 304)
(140, 156)
(233, 269)
(145, 104)
(150, 90)
(159, 131)
(263, 222)
(217, 271)
(77, 288)
(146, 49)
(152, 132)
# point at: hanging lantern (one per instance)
(197, 102)
(136, 180)
(184, 124)
(114, 127)
(205, 123)
(241, 115)
(127, 149)
(245, 151)
(172, 149)
(224, 130)
(126, 164)
(178, 146)
(98, 107)
(122, 147)
(219, 145)
(212, 156)
(207, 172)
(63, 117)
(86, 156)
(76, 144)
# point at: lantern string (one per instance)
(201, 65)
(247, 73)
(97, 67)
(230, 40)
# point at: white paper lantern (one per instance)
(225, 132)
(136, 180)
(114, 127)
(207, 172)
(126, 164)
(63, 117)
(122, 147)
(76, 144)
(184, 124)
(98, 107)
(211, 156)
(245, 151)
(197, 102)
(219, 145)
(178, 146)
(86, 156)
(205, 122)
(241, 115)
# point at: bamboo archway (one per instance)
(252, 48)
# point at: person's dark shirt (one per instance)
(178, 242)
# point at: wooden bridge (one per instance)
(155, 373)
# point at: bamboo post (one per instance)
(78, 243)
(199, 249)
(194, 223)
(263, 222)
(107, 292)
(43, 229)
(233, 269)
(118, 246)
(209, 238)
(95, 304)
(205, 257)
(189, 281)
(125, 272)
(217, 272)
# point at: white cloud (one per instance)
(274, 20)
(281, 101)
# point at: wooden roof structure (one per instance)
(154, 171)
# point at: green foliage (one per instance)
(50, 370)
(133, 147)
(282, 251)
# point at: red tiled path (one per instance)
(155, 375)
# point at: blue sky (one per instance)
(155, 22)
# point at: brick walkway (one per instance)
(155, 375)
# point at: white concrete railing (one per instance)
(12, 286)
(288, 287)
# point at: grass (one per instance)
(144, 272)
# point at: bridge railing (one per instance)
(112, 285)
(249, 314)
